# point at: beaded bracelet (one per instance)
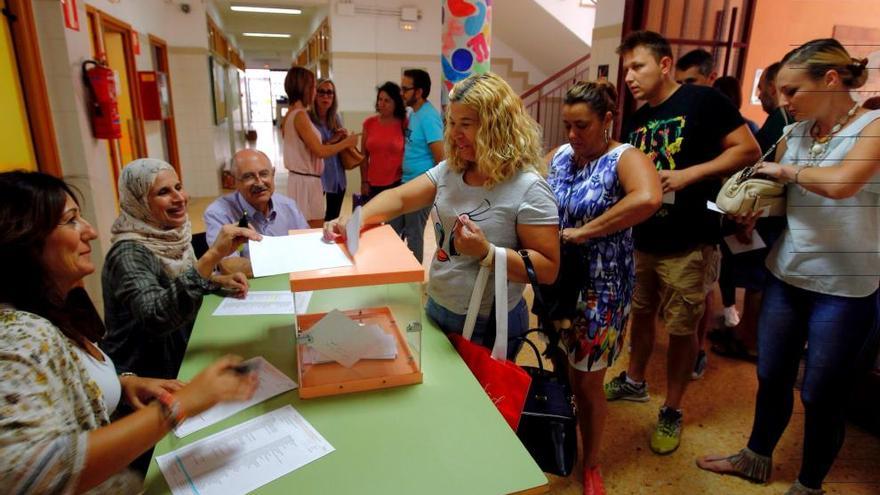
(171, 409)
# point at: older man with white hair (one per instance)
(266, 212)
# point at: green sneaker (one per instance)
(619, 389)
(667, 435)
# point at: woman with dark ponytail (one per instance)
(826, 266)
(602, 188)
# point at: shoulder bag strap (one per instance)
(499, 350)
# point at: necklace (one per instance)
(820, 143)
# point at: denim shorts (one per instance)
(449, 322)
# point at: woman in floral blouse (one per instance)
(603, 188)
(57, 388)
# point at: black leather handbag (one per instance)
(548, 425)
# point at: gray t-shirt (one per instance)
(526, 199)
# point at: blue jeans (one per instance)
(411, 228)
(841, 335)
(449, 322)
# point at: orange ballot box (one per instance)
(359, 327)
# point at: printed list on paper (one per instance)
(244, 457)
(265, 302)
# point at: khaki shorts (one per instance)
(676, 285)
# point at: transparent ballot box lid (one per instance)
(359, 327)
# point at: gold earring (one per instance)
(607, 136)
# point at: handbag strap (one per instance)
(499, 350)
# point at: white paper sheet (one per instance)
(737, 247)
(264, 302)
(669, 198)
(714, 207)
(294, 253)
(384, 347)
(353, 232)
(272, 383)
(339, 338)
(244, 457)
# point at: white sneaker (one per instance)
(731, 317)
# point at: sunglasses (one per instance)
(325, 92)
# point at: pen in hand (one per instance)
(245, 367)
(243, 223)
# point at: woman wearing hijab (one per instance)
(153, 284)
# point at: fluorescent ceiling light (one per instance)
(266, 35)
(265, 10)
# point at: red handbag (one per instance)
(506, 384)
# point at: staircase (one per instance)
(544, 101)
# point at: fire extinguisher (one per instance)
(103, 109)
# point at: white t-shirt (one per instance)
(831, 246)
(526, 199)
(104, 375)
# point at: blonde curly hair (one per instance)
(508, 138)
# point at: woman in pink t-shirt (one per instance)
(382, 143)
(304, 152)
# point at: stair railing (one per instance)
(544, 101)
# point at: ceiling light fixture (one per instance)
(266, 35)
(265, 10)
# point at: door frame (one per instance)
(22, 28)
(160, 63)
(100, 22)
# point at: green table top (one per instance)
(443, 436)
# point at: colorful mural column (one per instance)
(467, 25)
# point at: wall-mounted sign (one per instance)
(71, 18)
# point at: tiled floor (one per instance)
(718, 416)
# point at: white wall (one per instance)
(84, 160)
(579, 20)
(606, 37)
(500, 49)
(367, 50)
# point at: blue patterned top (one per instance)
(585, 194)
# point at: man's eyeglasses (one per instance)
(251, 177)
(406, 89)
(325, 92)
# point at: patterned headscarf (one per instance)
(135, 223)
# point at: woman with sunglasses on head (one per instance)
(325, 116)
(304, 150)
(823, 289)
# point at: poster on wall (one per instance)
(218, 89)
(862, 42)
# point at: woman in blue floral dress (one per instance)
(603, 188)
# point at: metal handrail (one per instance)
(555, 76)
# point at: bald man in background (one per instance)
(267, 213)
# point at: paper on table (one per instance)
(272, 383)
(353, 232)
(244, 457)
(339, 338)
(264, 302)
(737, 247)
(384, 347)
(294, 253)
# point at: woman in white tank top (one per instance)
(826, 267)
